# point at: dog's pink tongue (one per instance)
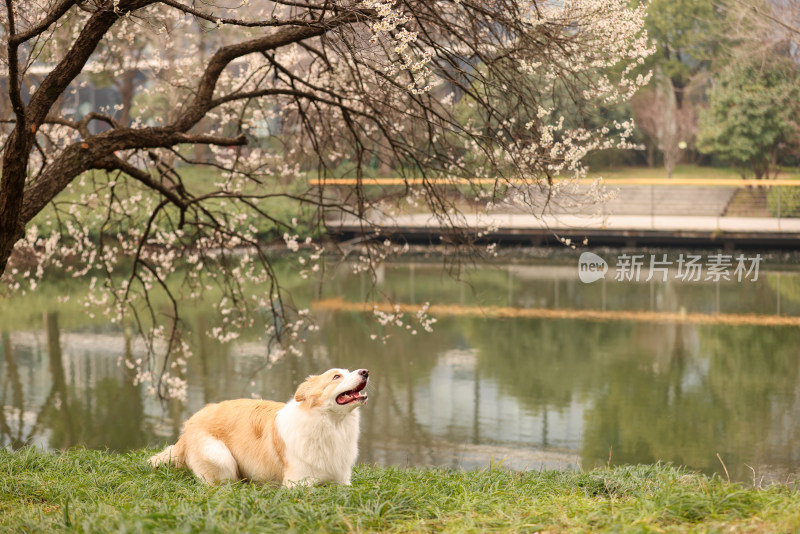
(344, 398)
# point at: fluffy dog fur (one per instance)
(312, 438)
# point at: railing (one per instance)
(657, 203)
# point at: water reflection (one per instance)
(534, 388)
(55, 399)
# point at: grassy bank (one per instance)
(90, 491)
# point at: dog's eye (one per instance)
(337, 377)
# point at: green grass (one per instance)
(199, 181)
(784, 202)
(91, 491)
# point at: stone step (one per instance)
(645, 200)
(750, 202)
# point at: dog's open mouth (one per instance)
(354, 395)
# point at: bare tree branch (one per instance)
(205, 88)
(57, 12)
(235, 22)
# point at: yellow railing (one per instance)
(642, 316)
(720, 182)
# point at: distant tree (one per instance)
(687, 39)
(753, 114)
(766, 22)
(669, 127)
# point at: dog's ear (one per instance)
(304, 389)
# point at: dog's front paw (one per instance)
(296, 481)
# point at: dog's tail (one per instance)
(169, 456)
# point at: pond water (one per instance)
(527, 365)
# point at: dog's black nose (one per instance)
(364, 373)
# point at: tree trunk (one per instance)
(671, 156)
(20, 142)
(127, 89)
(12, 188)
(651, 154)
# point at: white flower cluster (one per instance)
(374, 253)
(414, 62)
(398, 317)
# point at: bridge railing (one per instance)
(724, 199)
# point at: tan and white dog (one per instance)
(312, 438)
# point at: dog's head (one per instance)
(335, 389)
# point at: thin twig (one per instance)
(725, 468)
